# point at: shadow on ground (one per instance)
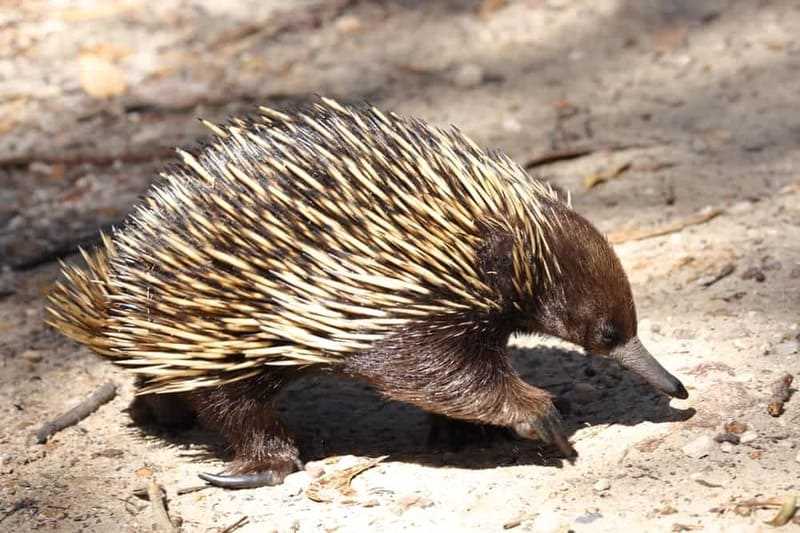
(336, 416)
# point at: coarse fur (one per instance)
(346, 239)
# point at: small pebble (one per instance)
(754, 273)
(296, 482)
(348, 24)
(314, 469)
(786, 348)
(795, 273)
(734, 426)
(797, 457)
(34, 356)
(748, 436)
(730, 438)
(700, 447)
(467, 75)
(726, 447)
(602, 484)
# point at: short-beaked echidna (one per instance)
(343, 238)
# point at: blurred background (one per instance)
(674, 125)
(697, 99)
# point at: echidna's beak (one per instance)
(634, 356)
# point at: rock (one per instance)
(786, 348)
(700, 447)
(734, 426)
(797, 457)
(754, 273)
(726, 447)
(315, 469)
(601, 485)
(748, 436)
(548, 522)
(348, 24)
(467, 75)
(731, 438)
(34, 356)
(741, 207)
(296, 482)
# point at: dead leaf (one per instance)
(597, 178)
(336, 485)
(100, 78)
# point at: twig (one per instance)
(89, 159)
(558, 155)
(195, 488)
(102, 395)
(723, 273)
(236, 525)
(566, 154)
(160, 516)
(780, 394)
(670, 227)
(595, 179)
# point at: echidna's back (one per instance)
(299, 239)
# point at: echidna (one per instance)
(368, 244)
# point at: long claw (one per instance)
(242, 481)
(548, 429)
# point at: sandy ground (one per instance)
(682, 106)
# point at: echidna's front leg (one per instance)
(264, 452)
(469, 380)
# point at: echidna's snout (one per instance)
(634, 356)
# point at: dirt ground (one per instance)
(674, 118)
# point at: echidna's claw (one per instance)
(548, 429)
(242, 481)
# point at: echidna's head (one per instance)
(590, 303)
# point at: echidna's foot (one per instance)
(254, 476)
(171, 411)
(452, 434)
(547, 428)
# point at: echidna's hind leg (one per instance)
(244, 413)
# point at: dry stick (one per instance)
(160, 516)
(102, 395)
(236, 525)
(700, 217)
(780, 394)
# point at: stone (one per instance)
(700, 447)
(34, 356)
(467, 75)
(726, 447)
(748, 436)
(602, 485)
